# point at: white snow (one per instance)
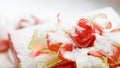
(103, 45)
(58, 37)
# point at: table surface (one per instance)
(68, 8)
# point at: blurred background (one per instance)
(12, 9)
(44, 7)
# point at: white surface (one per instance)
(49, 7)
